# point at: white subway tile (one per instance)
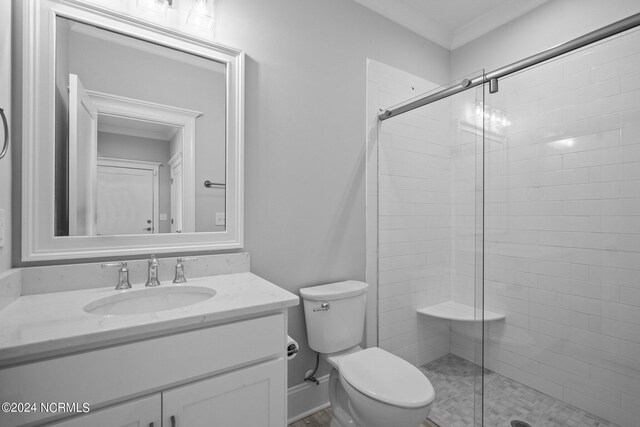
(630, 350)
(617, 172)
(597, 407)
(630, 82)
(581, 384)
(615, 328)
(625, 383)
(606, 360)
(601, 89)
(604, 72)
(630, 404)
(630, 296)
(626, 223)
(630, 189)
(622, 312)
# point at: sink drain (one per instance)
(518, 423)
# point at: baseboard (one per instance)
(307, 398)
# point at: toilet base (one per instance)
(339, 400)
(345, 416)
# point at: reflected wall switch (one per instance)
(164, 217)
(2, 225)
(220, 218)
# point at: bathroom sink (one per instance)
(149, 300)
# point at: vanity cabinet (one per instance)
(230, 374)
(143, 412)
(246, 397)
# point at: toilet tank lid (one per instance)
(333, 291)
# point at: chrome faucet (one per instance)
(152, 278)
(123, 274)
(179, 277)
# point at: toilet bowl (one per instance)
(367, 387)
(375, 388)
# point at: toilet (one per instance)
(367, 387)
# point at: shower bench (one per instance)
(451, 310)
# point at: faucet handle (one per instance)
(123, 274)
(179, 277)
(152, 278)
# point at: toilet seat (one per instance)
(386, 378)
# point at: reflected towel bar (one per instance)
(210, 184)
(5, 146)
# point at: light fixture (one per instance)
(201, 14)
(489, 116)
(156, 7)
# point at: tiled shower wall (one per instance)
(562, 216)
(414, 217)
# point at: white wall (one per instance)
(305, 139)
(305, 134)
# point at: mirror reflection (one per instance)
(140, 136)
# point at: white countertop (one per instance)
(46, 325)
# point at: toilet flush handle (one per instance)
(323, 307)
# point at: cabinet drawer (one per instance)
(109, 375)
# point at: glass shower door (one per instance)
(562, 241)
(429, 238)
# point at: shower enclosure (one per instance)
(508, 236)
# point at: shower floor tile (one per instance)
(323, 419)
(505, 399)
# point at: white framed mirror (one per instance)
(132, 136)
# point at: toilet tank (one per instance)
(334, 315)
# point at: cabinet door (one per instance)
(143, 412)
(249, 397)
